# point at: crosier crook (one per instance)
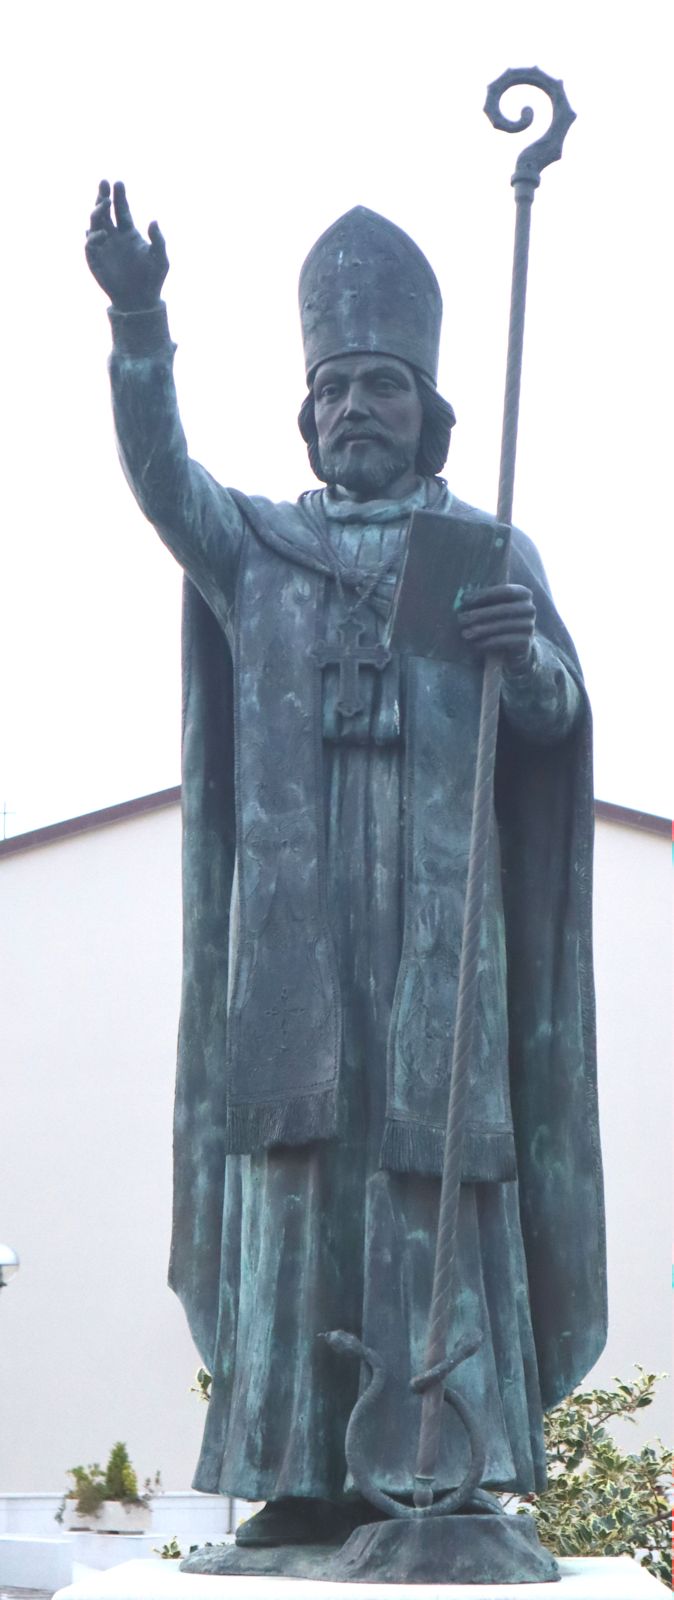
(431, 1383)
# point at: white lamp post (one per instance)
(9, 1263)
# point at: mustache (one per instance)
(347, 434)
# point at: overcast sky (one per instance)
(246, 130)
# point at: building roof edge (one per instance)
(90, 820)
(127, 810)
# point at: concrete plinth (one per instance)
(37, 1563)
(596, 1578)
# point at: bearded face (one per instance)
(368, 420)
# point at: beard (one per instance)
(367, 472)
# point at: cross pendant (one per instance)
(350, 658)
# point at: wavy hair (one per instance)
(436, 429)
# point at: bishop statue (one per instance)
(326, 795)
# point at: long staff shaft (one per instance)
(525, 182)
(513, 383)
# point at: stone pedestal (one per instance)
(470, 1550)
(597, 1578)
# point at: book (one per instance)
(445, 559)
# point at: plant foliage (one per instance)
(202, 1384)
(121, 1482)
(171, 1551)
(600, 1501)
(92, 1485)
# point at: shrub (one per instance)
(601, 1501)
(119, 1481)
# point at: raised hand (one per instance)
(501, 618)
(130, 270)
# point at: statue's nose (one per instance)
(355, 404)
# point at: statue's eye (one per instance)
(328, 391)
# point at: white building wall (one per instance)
(633, 967)
(93, 1346)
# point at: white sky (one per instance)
(246, 130)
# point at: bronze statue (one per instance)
(327, 792)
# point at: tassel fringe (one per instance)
(256, 1127)
(487, 1157)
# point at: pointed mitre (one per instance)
(366, 287)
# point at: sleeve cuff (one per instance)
(140, 333)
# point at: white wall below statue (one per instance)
(38, 1553)
(633, 953)
(94, 1346)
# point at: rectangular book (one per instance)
(446, 557)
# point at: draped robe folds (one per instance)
(308, 1142)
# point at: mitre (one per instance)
(366, 287)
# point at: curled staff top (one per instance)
(536, 156)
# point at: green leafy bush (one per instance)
(601, 1501)
(121, 1482)
(92, 1485)
(88, 1490)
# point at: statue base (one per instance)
(485, 1549)
(454, 1549)
(273, 1561)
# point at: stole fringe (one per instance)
(257, 1126)
(487, 1157)
(412, 1147)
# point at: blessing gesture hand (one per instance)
(130, 270)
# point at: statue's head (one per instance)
(371, 311)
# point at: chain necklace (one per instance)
(365, 587)
(350, 654)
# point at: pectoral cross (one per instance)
(350, 658)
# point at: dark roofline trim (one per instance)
(124, 812)
(128, 809)
(645, 820)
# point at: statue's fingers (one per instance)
(158, 243)
(498, 613)
(100, 216)
(505, 629)
(123, 215)
(517, 610)
(510, 643)
(496, 594)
